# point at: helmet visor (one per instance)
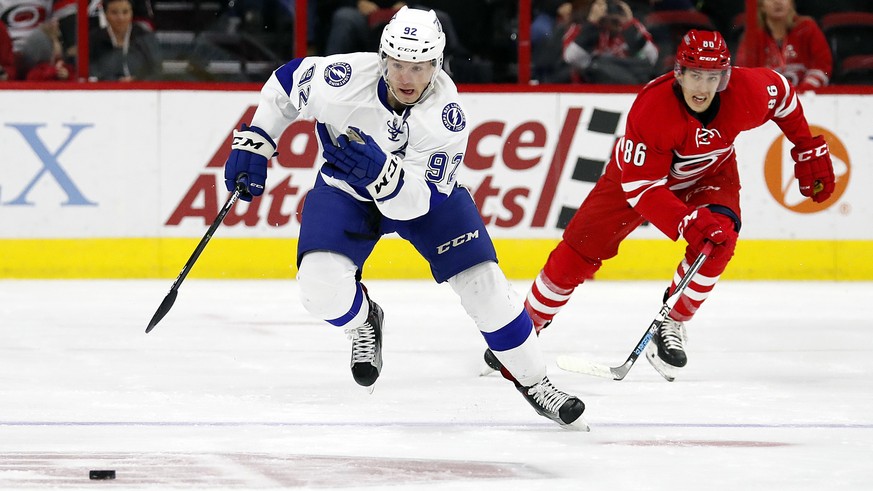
(701, 79)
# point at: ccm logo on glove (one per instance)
(245, 143)
(820, 151)
(251, 149)
(392, 167)
(813, 169)
(703, 226)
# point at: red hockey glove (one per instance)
(813, 169)
(702, 225)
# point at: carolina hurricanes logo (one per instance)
(23, 14)
(688, 167)
(705, 136)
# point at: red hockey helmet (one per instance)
(704, 50)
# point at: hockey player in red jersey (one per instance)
(676, 168)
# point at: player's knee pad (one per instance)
(327, 284)
(487, 296)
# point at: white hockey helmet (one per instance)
(413, 35)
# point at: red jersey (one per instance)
(7, 59)
(23, 16)
(804, 56)
(666, 149)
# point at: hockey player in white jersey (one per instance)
(393, 133)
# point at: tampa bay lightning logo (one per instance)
(337, 74)
(453, 117)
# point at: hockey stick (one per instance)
(168, 301)
(579, 365)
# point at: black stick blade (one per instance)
(165, 307)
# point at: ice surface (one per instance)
(239, 388)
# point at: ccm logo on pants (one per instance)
(457, 241)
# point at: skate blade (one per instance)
(666, 371)
(579, 425)
(486, 371)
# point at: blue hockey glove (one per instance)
(358, 160)
(252, 147)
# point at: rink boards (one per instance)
(123, 184)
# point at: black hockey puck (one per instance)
(101, 475)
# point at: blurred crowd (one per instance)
(813, 43)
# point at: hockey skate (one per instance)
(367, 348)
(560, 407)
(666, 350)
(492, 364)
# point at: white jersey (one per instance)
(348, 90)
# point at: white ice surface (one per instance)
(239, 388)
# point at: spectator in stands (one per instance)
(548, 15)
(722, 13)
(41, 55)
(270, 22)
(143, 14)
(357, 24)
(789, 43)
(610, 46)
(642, 8)
(7, 58)
(550, 21)
(25, 16)
(123, 51)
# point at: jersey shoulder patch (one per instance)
(337, 73)
(453, 117)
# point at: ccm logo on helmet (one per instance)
(708, 58)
